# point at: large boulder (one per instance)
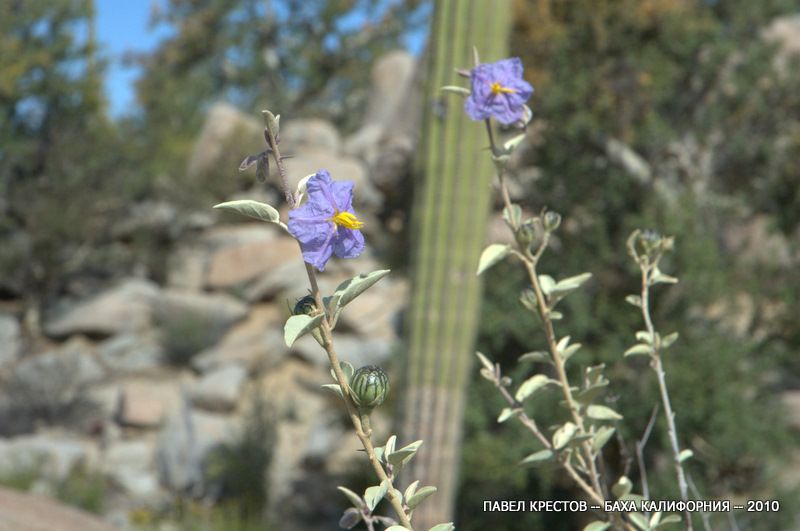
(236, 264)
(219, 390)
(256, 343)
(310, 132)
(224, 124)
(145, 403)
(131, 353)
(125, 307)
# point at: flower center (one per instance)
(497, 88)
(347, 220)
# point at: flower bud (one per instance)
(527, 232)
(551, 220)
(369, 386)
(305, 306)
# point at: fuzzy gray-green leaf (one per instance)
(443, 527)
(531, 385)
(253, 209)
(373, 495)
(538, 458)
(537, 356)
(597, 526)
(352, 288)
(354, 498)
(491, 255)
(419, 496)
(298, 325)
(599, 412)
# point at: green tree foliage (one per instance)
(695, 91)
(59, 157)
(294, 56)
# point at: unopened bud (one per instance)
(551, 220)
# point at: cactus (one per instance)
(449, 226)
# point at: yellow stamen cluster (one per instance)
(497, 88)
(347, 220)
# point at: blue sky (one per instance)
(122, 26)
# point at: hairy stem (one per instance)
(363, 431)
(647, 269)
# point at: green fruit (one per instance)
(369, 386)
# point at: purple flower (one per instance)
(498, 91)
(326, 223)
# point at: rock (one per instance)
(10, 340)
(392, 78)
(52, 455)
(310, 132)
(256, 343)
(218, 308)
(375, 313)
(29, 512)
(784, 32)
(131, 353)
(131, 466)
(358, 351)
(753, 242)
(236, 264)
(145, 403)
(71, 366)
(184, 443)
(219, 389)
(224, 123)
(122, 308)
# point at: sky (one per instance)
(122, 26)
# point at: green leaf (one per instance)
(513, 217)
(588, 395)
(636, 300)
(396, 528)
(298, 325)
(389, 448)
(597, 526)
(644, 336)
(347, 369)
(684, 455)
(419, 496)
(537, 356)
(598, 412)
(253, 209)
(567, 285)
(507, 413)
(640, 349)
(639, 521)
(443, 527)
(670, 519)
(491, 255)
(601, 437)
(547, 283)
(454, 89)
(564, 435)
(669, 339)
(373, 495)
(655, 519)
(352, 288)
(570, 350)
(354, 498)
(404, 454)
(411, 489)
(622, 487)
(334, 388)
(486, 362)
(531, 385)
(659, 277)
(511, 145)
(538, 458)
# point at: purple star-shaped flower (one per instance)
(498, 91)
(326, 223)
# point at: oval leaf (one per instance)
(373, 495)
(335, 389)
(443, 527)
(684, 455)
(536, 356)
(491, 255)
(601, 437)
(538, 458)
(252, 209)
(531, 385)
(298, 325)
(638, 350)
(350, 289)
(354, 498)
(598, 412)
(419, 496)
(622, 487)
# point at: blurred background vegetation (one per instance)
(681, 115)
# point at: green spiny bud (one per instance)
(369, 386)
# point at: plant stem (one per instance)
(327, 343)
(655, 357)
